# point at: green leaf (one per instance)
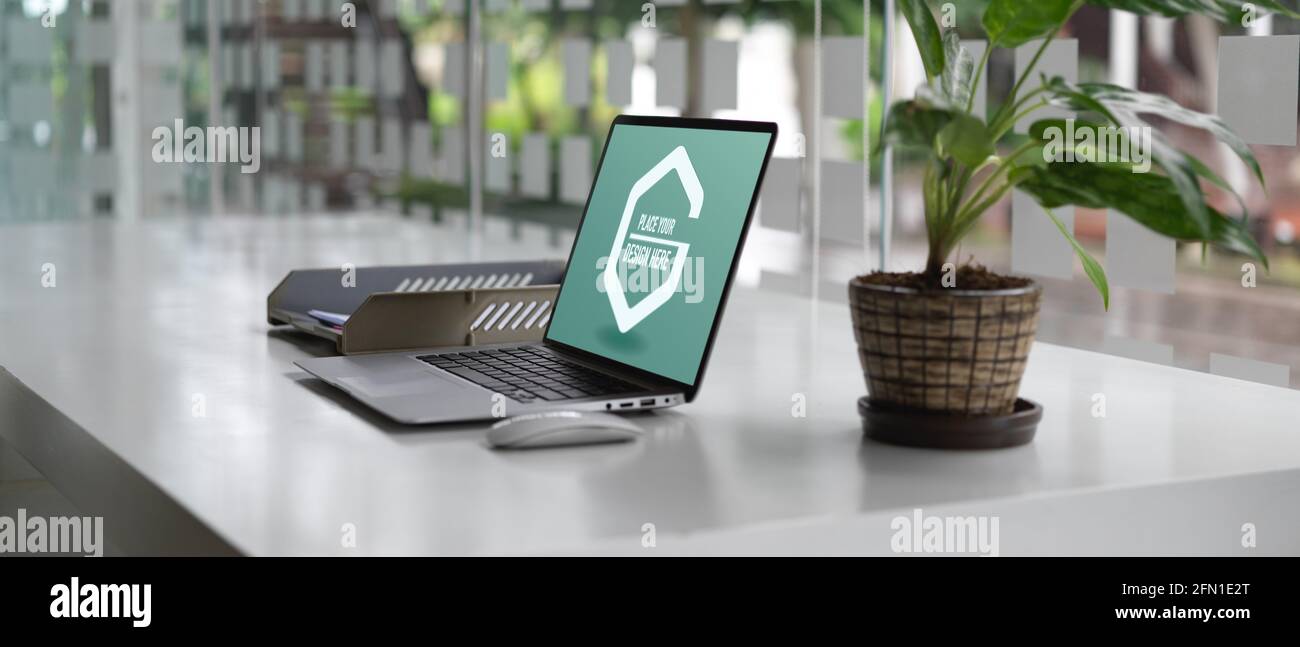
(1176, 164)
(1091, 267)
(1118, 98)
(933, 95)
(967, 139)
(912, 124)
(1151, 200)
(1221, 10)
(1012, 23)
(926, 32)
(959, 67)
(1214, 178)
(1039, 131)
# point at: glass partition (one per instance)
(490, 115)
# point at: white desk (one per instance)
(146, 316)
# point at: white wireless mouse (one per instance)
(560, 428)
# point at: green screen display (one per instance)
(655, 249)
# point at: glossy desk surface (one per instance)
(143, 317)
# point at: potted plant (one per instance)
(943, 351)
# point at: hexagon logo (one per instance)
(627, 316)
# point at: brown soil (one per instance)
(969, 277)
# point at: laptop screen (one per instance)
(655, 249)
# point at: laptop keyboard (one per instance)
(530, 373)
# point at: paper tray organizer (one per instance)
(421, 306)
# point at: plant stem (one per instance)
(972, 213)
(979, 71)
(1033, 63)
(1004, 166)
(956, 189)
(1011, 122)
(999, 127)
(948, 217)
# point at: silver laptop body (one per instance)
(445, 384)
(410, 390)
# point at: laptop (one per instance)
(639, 304)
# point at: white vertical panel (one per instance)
(364, 63)
(339, 144)
(1137, 257)
(270, 65)
(339, 64)
(363, 138)
(451, 155)
(230, 65)
(271, 200)
(453, 70)
(314, 67)
(421, 156)
(316, 197)
(575, 169)
(392, 64)
(842, 218)
(497, 70)
(271, 135)
(1061, 58)
(620, 61)
(721, 68)
(293, 126)
(843, 89)
(1262, 26)
(1123, 48)
(294, 189)
(1037, 246)
(535, 166)
(496, 176)
(779, 206)
(670, 72)
(393, 156)
(577, 71)
(247, 75)
(1258, 78)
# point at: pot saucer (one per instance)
(943, 431)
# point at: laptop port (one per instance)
(626, 405)
(648, 402)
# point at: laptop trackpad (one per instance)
(399, 383)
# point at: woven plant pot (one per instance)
(947, 351)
